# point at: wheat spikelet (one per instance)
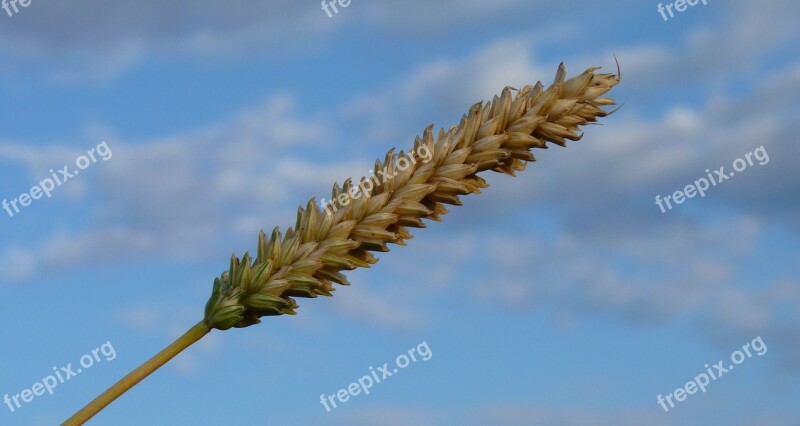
(497, 136)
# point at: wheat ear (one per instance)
(309, 258)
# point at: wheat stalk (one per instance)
(306, 260)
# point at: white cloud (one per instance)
(100, 45)
(382, 310)
(176, 195)
(443, 88)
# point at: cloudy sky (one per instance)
(563, 296)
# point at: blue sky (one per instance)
(563, 296)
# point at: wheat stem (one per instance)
(306, 260)
(190, 337)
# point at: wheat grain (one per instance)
(497, 136)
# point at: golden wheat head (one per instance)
(499, 135)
